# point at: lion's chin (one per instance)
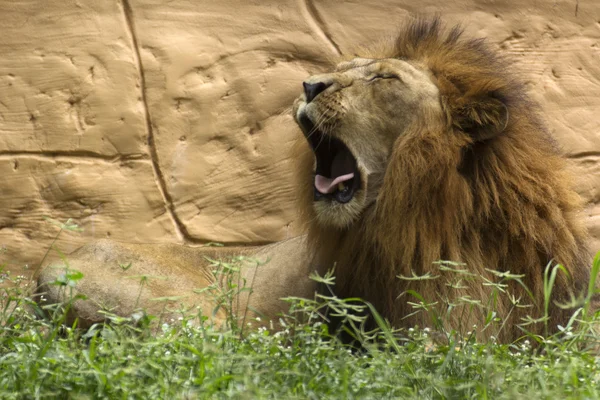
(332, 214)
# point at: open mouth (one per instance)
(336, 176)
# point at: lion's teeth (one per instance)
(341, 186)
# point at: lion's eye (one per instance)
(382, 76)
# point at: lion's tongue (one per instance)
(326, 185)
(341, 171)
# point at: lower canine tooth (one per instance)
(341, 186)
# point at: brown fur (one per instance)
(472, 186)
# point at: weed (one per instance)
(299, 358)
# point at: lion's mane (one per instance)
(503, 204)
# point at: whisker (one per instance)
(323, 131)
(317, 126)
(323, 121)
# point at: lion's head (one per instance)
(352, 117)
(429, 149)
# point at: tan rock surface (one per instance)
(152, 121)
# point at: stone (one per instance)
(166, 122)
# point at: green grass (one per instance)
(187, 358)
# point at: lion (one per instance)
(429, 149)
(170, 281)
(421, 149)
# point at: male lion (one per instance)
(429, 149)
(425, 149)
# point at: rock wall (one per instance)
(153, 121)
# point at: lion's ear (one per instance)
(482, 118)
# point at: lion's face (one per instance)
(351, 118)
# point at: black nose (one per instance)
(313, 89)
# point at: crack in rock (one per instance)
(180, 228)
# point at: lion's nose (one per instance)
(313, 89)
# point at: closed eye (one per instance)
(383, 76)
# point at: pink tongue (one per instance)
(326, 185)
